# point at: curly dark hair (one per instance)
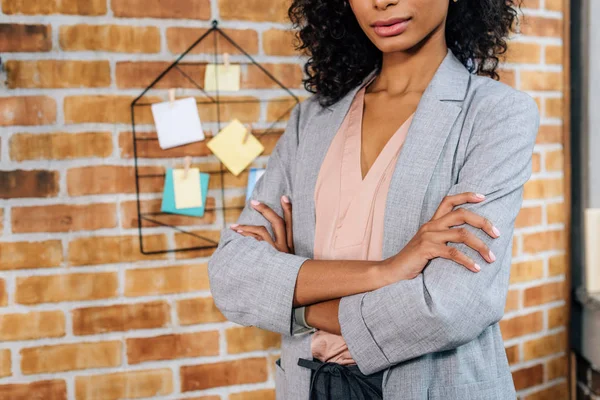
(341, 55)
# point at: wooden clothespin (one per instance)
(248, 131)
(186, 166)
(171, 96)
(226, 60)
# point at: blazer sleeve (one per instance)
(251, 282)
(447, 305)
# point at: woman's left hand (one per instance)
(282, 227)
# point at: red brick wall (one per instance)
(84, 315)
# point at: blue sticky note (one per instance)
(168, 200)
(253, 176)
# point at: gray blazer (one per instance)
(436, 336)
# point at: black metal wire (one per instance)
(215, 30)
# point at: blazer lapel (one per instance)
(433, 120)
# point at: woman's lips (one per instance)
(393, 29)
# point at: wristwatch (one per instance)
(299, 316)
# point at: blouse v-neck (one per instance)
(350, 209)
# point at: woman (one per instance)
(388, 275)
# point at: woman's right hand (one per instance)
(431, 240)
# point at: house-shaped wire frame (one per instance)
(161, 232)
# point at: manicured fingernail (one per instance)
(477, 267)
(234, 225)
(496, 231)
(480, 195)
(492, 256)
(254, 202)
(285, 198)
(239, 231)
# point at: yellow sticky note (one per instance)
(228, 147)
(225, 78)
(187, 189)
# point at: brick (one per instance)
(513, 300)
(508, 76)
(60, 145)
(554, 392)
(263, 394)
(557, 367)
(543, 188)
(3, 293)
(246, 339)
(279, 42)
(545, 293)
(69, 287)
(27, 110)
(522, 325)
(544, 241)
(32, 325)
(139, 74)
(188, 9)
(527, 271)
(106, 109)
(512, 354)
(57, 74)
(541, 26)
(25, 38)
(528, 377)
(5, 363)
(109, 179)
(531, 4)
(244, 108)
(554, 107)
(556, 213)
(544, 346)
(525, 53)
(536, 162)
(280, 109)
(200, 310)
(254, 10)
(550, 134)
(179, 39)
(290, 75)
(555, 160)
(113, 249)
(170, 347)
(112, 38)
(554, 54)
(129, 214)
(24, 255)
(46, 390)
(32, 183)
(529, 216)
(227, 373)
(67, 357)
(63, 218)
(149, 147)
(119, 318)
(73, 7)
(120, 385)
(557, 265)
(554, 5)
(164, 280)
(183, 240)
(540, 80)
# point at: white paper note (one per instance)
(177, 123)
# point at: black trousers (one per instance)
(333, 381)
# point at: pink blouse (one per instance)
(350, 210)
